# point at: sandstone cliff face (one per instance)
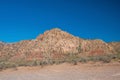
(54, 43)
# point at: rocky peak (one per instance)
(58, 40)
(55, 34)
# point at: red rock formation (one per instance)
(51, 44)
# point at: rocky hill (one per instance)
(116, 46)
(54, 44)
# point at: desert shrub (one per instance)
(79, 48)
(4, 65)
(108, 58)
(10, 65)
(95, 58)
(56, 61)
(71, 58)
(1, 65)
(38, 62)
(31, 63)
(83, 59)
(22, 63)
(103, 58)
(43, 63)
(74, 62)
(118, 55)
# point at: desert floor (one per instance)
(65, 71)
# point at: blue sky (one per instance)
(89, 19)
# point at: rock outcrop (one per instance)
(54, 44)
(116, 46)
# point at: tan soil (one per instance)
(87, 71)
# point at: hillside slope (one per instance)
(53, 45)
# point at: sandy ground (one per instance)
(88, 71)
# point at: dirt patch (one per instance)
(65, 71)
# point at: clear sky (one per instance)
(90, 19)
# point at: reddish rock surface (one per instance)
(55, 43)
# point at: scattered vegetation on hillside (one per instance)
(70, 58)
